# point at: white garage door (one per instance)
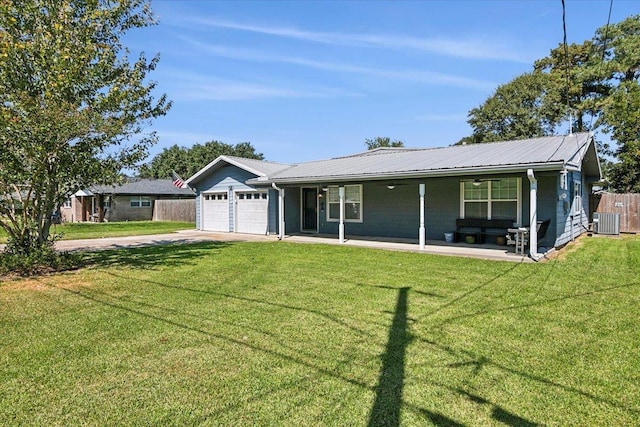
(215, 212)
(252, 212)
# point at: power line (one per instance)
(566, 58)
(604, 51)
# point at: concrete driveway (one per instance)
(179, 237)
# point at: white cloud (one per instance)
(428, 77)
(195, 87)
(481, 48)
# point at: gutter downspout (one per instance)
(533, 213)
(280, 210)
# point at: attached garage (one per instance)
(226, 203)
(215, 212)
(252, 212)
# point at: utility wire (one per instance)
(566, 58)
(604, 51)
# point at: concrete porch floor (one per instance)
(439, 247)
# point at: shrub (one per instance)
(36, 259)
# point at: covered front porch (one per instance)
(416, 213)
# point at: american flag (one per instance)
(177, 181)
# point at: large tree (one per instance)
(73, 106)
(621, 109)
(516, 109)
(596, 83)
(187, 161)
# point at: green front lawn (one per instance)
(307, 335)
(88, 230)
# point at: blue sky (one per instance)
(308, 80)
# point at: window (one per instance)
(140, 202)
(352, 203)
(67, 203)
(491, 199)
(106, 203)
(577, 197)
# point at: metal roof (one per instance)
(147, 187)
(545, 153)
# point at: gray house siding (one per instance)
(292, 210)
(396, 212)
(273, 211)
(390, 213)
(442, 207)
(572, 221)
(198, 213)
(547, 206)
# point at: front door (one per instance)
(310, 210)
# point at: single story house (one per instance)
(413, 193)
(133, 200)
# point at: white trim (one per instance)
(201, 211)
(462, 199)
(577, 197)
(328, 210)
(489, 200)
(139, 199)
(309, 230)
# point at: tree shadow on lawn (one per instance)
(149, 257)
(257, 301)
(388, 401)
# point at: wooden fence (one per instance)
(175, 210)
(627, 205)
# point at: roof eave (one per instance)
(412, 174)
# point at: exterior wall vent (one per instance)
(606, 223)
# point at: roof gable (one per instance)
(259, 168)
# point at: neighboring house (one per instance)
(131, 201)
(420, 193)
(225, 202)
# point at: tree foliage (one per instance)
(382, 141)
(73, 107)
(597, 82)
(187, 161)
(515, 109)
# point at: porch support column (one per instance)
(341, 226)
(421, 231)
(280, 210)
(533, 213)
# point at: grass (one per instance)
(87, 230)
(307, 335)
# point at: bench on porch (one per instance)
(483, 230)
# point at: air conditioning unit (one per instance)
(606, 223)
